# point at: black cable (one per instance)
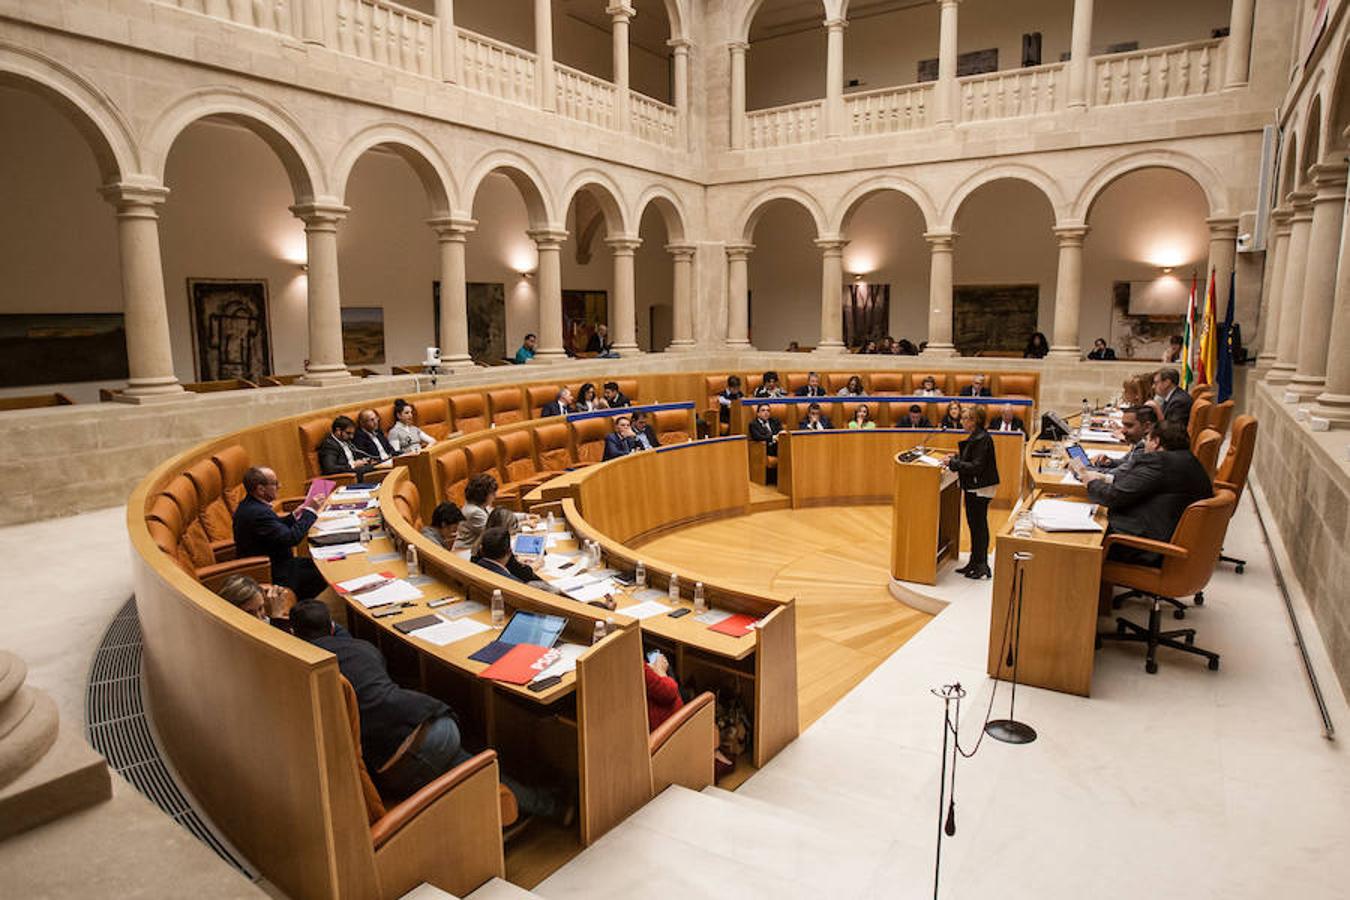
(1003, 650)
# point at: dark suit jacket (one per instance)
(766, 433)
(595, 345)
(951, 424)
(906, 423)
(724, 409)
(823, 425)
(1108, 353)
(807, 391)
(974, 461)
(617, 445)
(650, 434)
(1017, 425)
(371, 443)
(1148, 498)
(969, 391)
(1177, 407)
(333, 461)
(506, 571)
(552, 408)
(620, 400)
(259, 531)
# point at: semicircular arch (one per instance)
(606, 193)
(667, 204)
(1003, 172)
(410, 146)
(754, 210)
(1199, 171)
(523, 174)
(881, 184)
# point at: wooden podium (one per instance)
(925, 518)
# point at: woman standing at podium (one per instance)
(974, 462)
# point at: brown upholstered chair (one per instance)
(793, 380)
(232, 462)
(1233, 470)
(519, 467)
(1207, 450)
(682, 746)
(588, 437)
(506, 406)
(408, 502)
(432, 415)
(184, 540)
(1220, 414)
(834, 382)
(452, 470)
(713, 385)
(962, 380)
(1199, 391)
(212, 511)
(1188, 562)
(672, 426)
(881, 383)
(630, 388)
(468, 412)
(916, 382)
(1014, 386)
(1196, 423)
(552, 447)
(539, 396)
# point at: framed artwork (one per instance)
(487, 319)
(53, 348)
(363, 335)
(582, 311)
(230, 334)
(867, 312)
(994, 317)
(1139, 336)
(976, 62)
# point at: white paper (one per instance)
(588, 592)
(1094, 435)
(1111, 454)
(461, 609)
(713, 616)
(345, 522)
(573, 581)
(337, 551)
(644, 610)
(443, 632)
(556, 565)
(929, 460)
(355, 490)
(567, 662)
(646, 594)
(355, 584)
(1068, 478)
(396, 591)
(557, 536)
(1064, 515)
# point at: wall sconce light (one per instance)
(304, 267)
(1167, 270)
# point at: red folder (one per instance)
(738, 625)
(518, 666)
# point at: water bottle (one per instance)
(414, 567)
(700, 604)
(1024, 525)
(595, 554)
(548, 523)
(499, 609)
(365, 531)
(598, 634)
(1083, 422)
(674, 587)
(640, 576)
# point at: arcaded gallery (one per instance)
(675, 449)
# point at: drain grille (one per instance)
(117, 727)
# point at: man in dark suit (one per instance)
(976, 388)
(815, 420)
(560, 406)
(259, 531)
(1147, 500)
(621, 441)
(915, 418)
(1008, 420)
(643, 433)
(812, 387)
(1100, 350)
(494, 553)
(1172, 403)
(765, 428)
(729, 395)
(339, 455)
(616, 398)
(599, 344)
(1135, 424)
(371, 439)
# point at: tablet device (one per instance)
(529, 544)
(533, 628)
(1078, 453)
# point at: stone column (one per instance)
(940, 246)
(449, 44)
(737, 113)
(1080, 55)
(835, 125)
(620, 15)
(683, 314)
(326, 365)
(145, 312)
(622, 249)
(1068, 292)
(543, 53)
(944, 100)
(738, 297)
(1270, 321)
(1238, 64)
(549, 243)
(1319, 282)
(680, 75)
(451, 233)
(1333, 404)
(311, 22)
(831, 291)
(1291, 293)
(1222, 255)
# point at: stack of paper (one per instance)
(567, 662)
(929, 460)
(1064, 515)
(595, 590)
(444, 632)
(329, 523)
(396, 591)
(645, 610)
(1094, 435)
(337, 551)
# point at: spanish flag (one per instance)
(1208, 366)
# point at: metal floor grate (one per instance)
(117, 727)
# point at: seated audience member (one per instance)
(769, 386)
(480, 494)
(854, 388)
(621, 441)
(494, 553)
(445, 519)
(815, 420)
(526, 351)
(600, 344)
(812, 387)
(976, 388)
(405, 436)
(1171, 402)
(906, 348)
(504, 518)
(561, 404)
(259, 531)
(862, 418)
(643, 432)
(266, 602)
(1101, 351)
(587, 399)
(793, 347)
(1147, 499)
(339, 455)
(929, 388)
(1008, 420)
(1174, 347)
(371, 439)
(1037, 347)
(887, 346)
(395, 719)
(729, 395)
(765, 428)
(951, 419)
(914, 418)
(1135, 424)
(615, 397)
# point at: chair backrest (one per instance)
(408, 501)
(793, 380)
(962, 380)
(232, 462)
(453, 469)
(629, 388)
(588, 437)
(176, 508)
(1206, 450)
(835, 382)
(672, 426)
(1220, 414)
(215, 516)
(552, 448)
(312, 433)
(516, 456)
(1015, 386)
(1238, 461)
(537, 396)
(1196, 423)
(506, 406)
(375, 809)
(712, 386)
(842, 413)
(468, 412)
(432, 416)
(1201, 532)
(916, 382)
(482, 457)
(1201, 390)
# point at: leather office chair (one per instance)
(1206, 449)
(232, 462)
(588, 437)
(682, 746)
(519, 466)
(1188, 562)
(506, 406)
(1015, 387)
(553, 447)
(432, 416)
(964, 380)
(185, 542)
(212, 511)
(1202, 391)
(1233, 470)
(468, 412)
(630, 389)
(1220, 414)
(878, 383)
(794, 380)
(452, 469)
(408, 502)
(672, 426)
(483, 457)
(539, 396)
(712, 412)
(916, 382)
(1196, 423)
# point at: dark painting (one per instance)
(486, 303)
(363, 335)
(49, 348)
(582, 311)
(994, 317)
(976, 62)
(867, 313)
(229, 329)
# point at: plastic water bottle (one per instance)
(414, 565)
(1024, 525)
(548, 523)
(700, 604)
(1083, 422)
(674, 590)
(598, 634)
(595, 554)
(499, 609)
(640, 575)
(365, 531)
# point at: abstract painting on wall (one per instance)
(486, 302)
(230, 335)
(867, 313)
(1139, 336)
(582, 311)
(994, 319)
(363, 335)
(50, 348)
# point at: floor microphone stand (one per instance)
(946, 820)
(1009, 730)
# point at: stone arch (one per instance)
(668, 206)
(1199, 171)
(751, 8)
(676, 17)
(92, 112)
(1312, 141)
(277, 127)
(1338, 112)
(606, 193)
(752, 211)
(1289, 167)
(894, 183)
(414, 149)
(1008, 171)
(524, 175)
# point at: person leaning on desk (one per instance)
(975, 463)
(260, 531)
(337, 453)
(1136, 422)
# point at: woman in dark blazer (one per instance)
(975, 464)
(951, 419)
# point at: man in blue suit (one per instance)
(622, 441)
(259, 531)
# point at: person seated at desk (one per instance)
(600, 344)
(338, 455)
(1008, 420)
(587, 399)
(1170, 402)
(914, 418)
(663, 692)
(765, 428)
(643, 432)
(371, 439)
(951, 419)
(494, 554)
(929, 388)
(1101, 351)
(812, 387)
(405, 436)
(266, 602)
(561, 404)
(259, 531)
(445, 519)
(769, 386)
(729, 395)
(976, 388)
(1137, 389)
(521, 571)
(1135, 424)
(815, 420)
(1175, 345)
(854, 388)
(526, 351)
(977, 465)
(616, 398)
(862, 418)
(1148, 499)
(408, 738)
(1037, 347)
(479, 495)
(621, 441)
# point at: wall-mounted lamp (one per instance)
(1167, 270)
(303, 266)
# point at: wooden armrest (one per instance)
(287, 504)
(259, 568)
(223, 551)
(667, 729)
(1141, 543)
(401, 815)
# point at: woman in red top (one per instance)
(663, 694)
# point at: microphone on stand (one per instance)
(1009, 730)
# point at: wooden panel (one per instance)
(615, 776)
(920, 520)
(775, 684)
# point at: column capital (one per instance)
(739, 251)
(940, 240)
(836, 23)
(620, 11)
(135, 200)
(679, 45)
(831, 244)
(452, 228)
(682, 250)
(1222, 227)
(550, 238)
(623, 244)
(1328, 180)
(738, 46)
(1279, 216)
(1300, 203)
(319, 215)
(1071, 234)
(946, 3)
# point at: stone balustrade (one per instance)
(1014, 93)
(496, 69)
(387, 34)
(781, 126)
(652, 121)
(1158, 73)
(889, 110)
(585, 98)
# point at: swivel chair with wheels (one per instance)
(1232, 472)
